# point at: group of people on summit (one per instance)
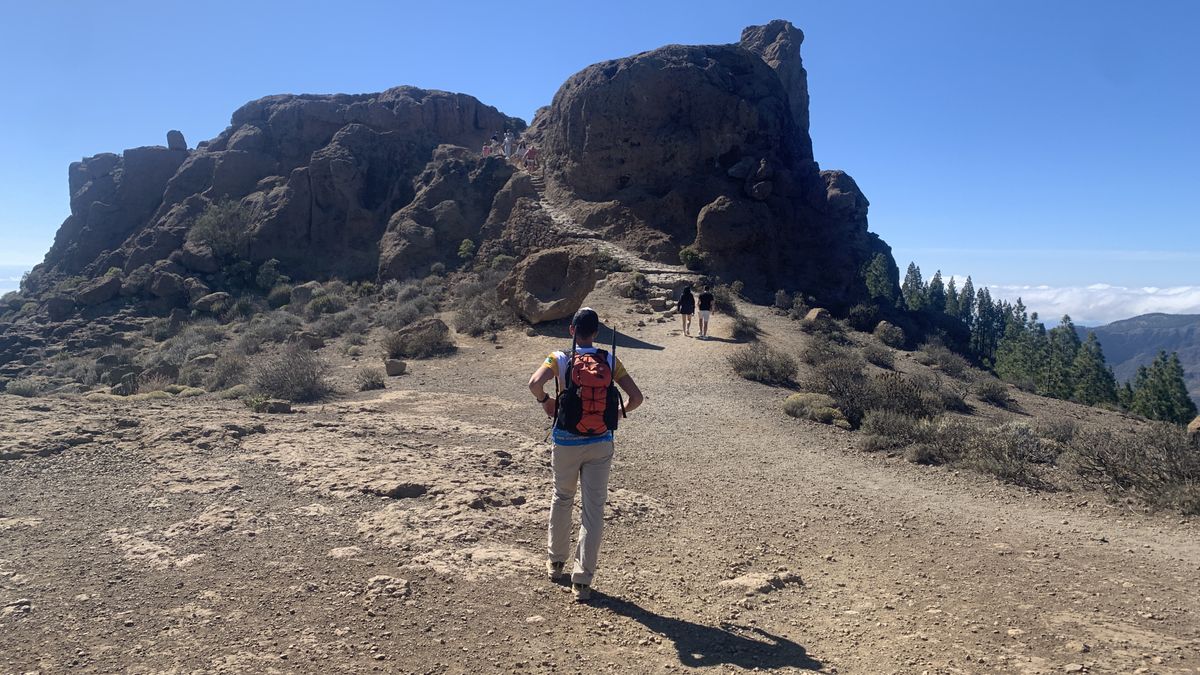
(523, 154)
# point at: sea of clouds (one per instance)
(1098, 304)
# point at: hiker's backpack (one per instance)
(590, 405)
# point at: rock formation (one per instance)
(705, 147)
(551, 284)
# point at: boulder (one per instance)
(1194, 430)
(195, 289)
(302, 293)
(422, 338)
(273, 406)
(101, 290)
(213, 302)
(818, 314)
(199, 258)
(167, 285)
(394, 367)
(60, 307)
(203, 361)
(175, 140)
(550, 284)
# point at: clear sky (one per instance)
(1049, 149)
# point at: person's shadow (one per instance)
(701, 646)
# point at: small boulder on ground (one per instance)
(394, 367)
(273, 406)
(426, 337)
(551, 284)
(818, 314)
(302, 293)
(213, 302)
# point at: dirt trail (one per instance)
(403, 531)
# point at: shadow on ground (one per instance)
(701, 646)
(558, 329)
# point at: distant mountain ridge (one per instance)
(1130, 343)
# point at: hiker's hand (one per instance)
(548, 406)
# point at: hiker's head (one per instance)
(707, 287)
(585, 324)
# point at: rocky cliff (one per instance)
(704, 147)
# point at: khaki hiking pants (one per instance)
(574, 464)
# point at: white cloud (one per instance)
(1097, 304)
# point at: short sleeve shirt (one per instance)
(557, 363)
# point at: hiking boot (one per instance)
(582, 592)
(554, 570)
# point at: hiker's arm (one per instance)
(537, 387)
(631, 389)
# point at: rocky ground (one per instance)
(402, 531)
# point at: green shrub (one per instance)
(466, 250)
(437, 269)
(879, 355)
(224, 227)
(821, 348)
(326, 303)
(269, 277)
(295, 374)
(842, 377)
(890, 334)
(243, 308)
(25, 387)
(744, 329)
(230, 369)
(691, 258)
(503, 263)
(862, 318)
(903, 394)
(477, 307)
(761, 363)
(279, 296)
(993, 391)
(798, 309)
(725, 300)
(815, 407)
(368, 379)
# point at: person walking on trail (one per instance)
(508, 140)
(585, 413)
(706, 306)
(687, 307)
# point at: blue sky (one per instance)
(1027, 143)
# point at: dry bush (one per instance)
(783, 301)
(25, 387)
(1007, 452)
(477, 307)
(890, 334)
(913, 396)
(822, 347)
(761, 363)
(884, 430)
(745, 329)
(193, 340)
(1058, 430)
(326, 303)
(842, 377)
(993, 391)
(725, 300)
(937, 355)
(815, 407)
(409, 301)
(243, 308)
(1159, 465)
(798, 309)
(229, 369)
(367, 379)
(295, 374)
(941, 441)
(334, 325)
(433, 341)
(879, 355)
(153, 382)
(280, 295)
(953, 400)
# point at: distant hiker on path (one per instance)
(531, 154)
(585, 414)
(687, 307)
(508, 139)
(706, 305)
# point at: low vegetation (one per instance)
(296, 374)
(761, 363)
(368, 379)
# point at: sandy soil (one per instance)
(403, 531)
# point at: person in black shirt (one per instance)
(687, 307)
(706, 305)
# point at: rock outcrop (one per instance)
(550, 284)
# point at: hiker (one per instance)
(687, 307)
(585, 413)
(706, 306)
(521, 150)
(508, 139)
(531, 158)
(487, 149)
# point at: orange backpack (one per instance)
(590, 404)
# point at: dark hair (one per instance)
(687, 292)
(586, 322)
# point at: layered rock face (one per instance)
(321, 177)
(708, 147)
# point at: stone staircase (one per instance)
(657, 274)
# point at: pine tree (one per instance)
(1159, 392)
(985, 329)
(966, 303)
(1094, 381)
(878, 278)
(913, 288)
(1125, 396)
(951, 299)
(935, 294)
(1063, 347)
